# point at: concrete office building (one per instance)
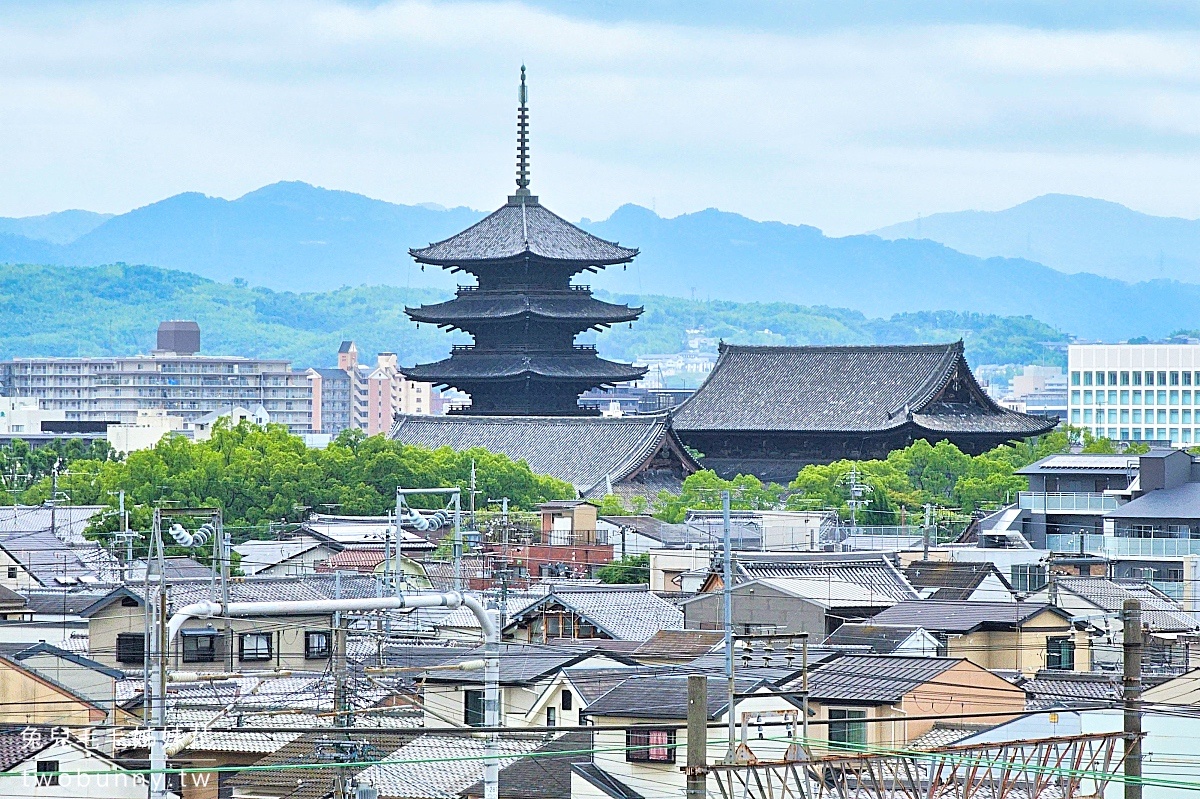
(173, 377)
(1136, 392)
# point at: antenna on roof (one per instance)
(522, 139)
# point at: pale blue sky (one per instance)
(847, 116)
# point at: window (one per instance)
(1027, 577)
(1174, 378)
(1060, 654)
(1162, 378)
(567, 700)
(1075, 416)
(1187, 378)
(255, 646)
(847, 728)
(1112, 398)
(131, 648)
(1162, 398)
(1099, 378)
(1149, 378)
(47, 772)
(1087, 398)
(1125, 397)
(1087, 378)
(1124, 416)
(552, 716)
(1112, 378)
(1137, 398)
(1074, 378)
(12, 572)
(316, 644)
(650, 746)
(199, 648)
(1137, 378)
(1124, 378)
(1174, 398)
(1075, 397)
(473, 708)
(1087, 415)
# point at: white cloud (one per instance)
(113, 106)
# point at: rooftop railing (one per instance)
(1066, 503)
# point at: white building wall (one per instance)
(1135, 392)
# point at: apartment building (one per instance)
(363, 397)
(173, 377)
(1136, 392)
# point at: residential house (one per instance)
(885, 640)
(44, 547)
(61, 767)
(1019, 636)
(33, 697)
(85, 678)
(622, 613)
(1054, 688)
(53, 615)
(639, 746)
(978, 581)
(116, 626)
(533, 689)
(886, 701)
(1170, 635)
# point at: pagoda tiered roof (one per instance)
(472, 305)
(470, 363)
(523, 227)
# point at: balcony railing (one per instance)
(1066, 503)
(1112, 546)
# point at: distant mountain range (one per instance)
(1070, 234)
(295, 237)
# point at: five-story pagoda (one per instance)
(523, 312)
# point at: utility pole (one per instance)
(458, 542)
(925, 530)
(727, 586)
(1132, 694)
(697, 736)
(223, 542)
(54, 498)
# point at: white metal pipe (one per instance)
(450, 599)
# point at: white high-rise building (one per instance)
(1136, 392)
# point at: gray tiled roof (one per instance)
(546, 773)
(14, 748)
(440, 766)
(623, 614)
(657, 696)
(875, 572)
(581, 450)
(882, 640)
(1181, 502)
(51, 546)
(1159, 612)
(51, 601)
(952, 579)
(872, 678)
(306, 783)
(680, 644)
(1064, 687)
(523, 228)
(962, 616)
(864, 388)
(520, 664)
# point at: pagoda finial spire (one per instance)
(522, 139)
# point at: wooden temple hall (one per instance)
(523, 310)
(768, 411)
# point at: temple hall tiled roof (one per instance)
(851, 389)
(586, 451)
(522, 228)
